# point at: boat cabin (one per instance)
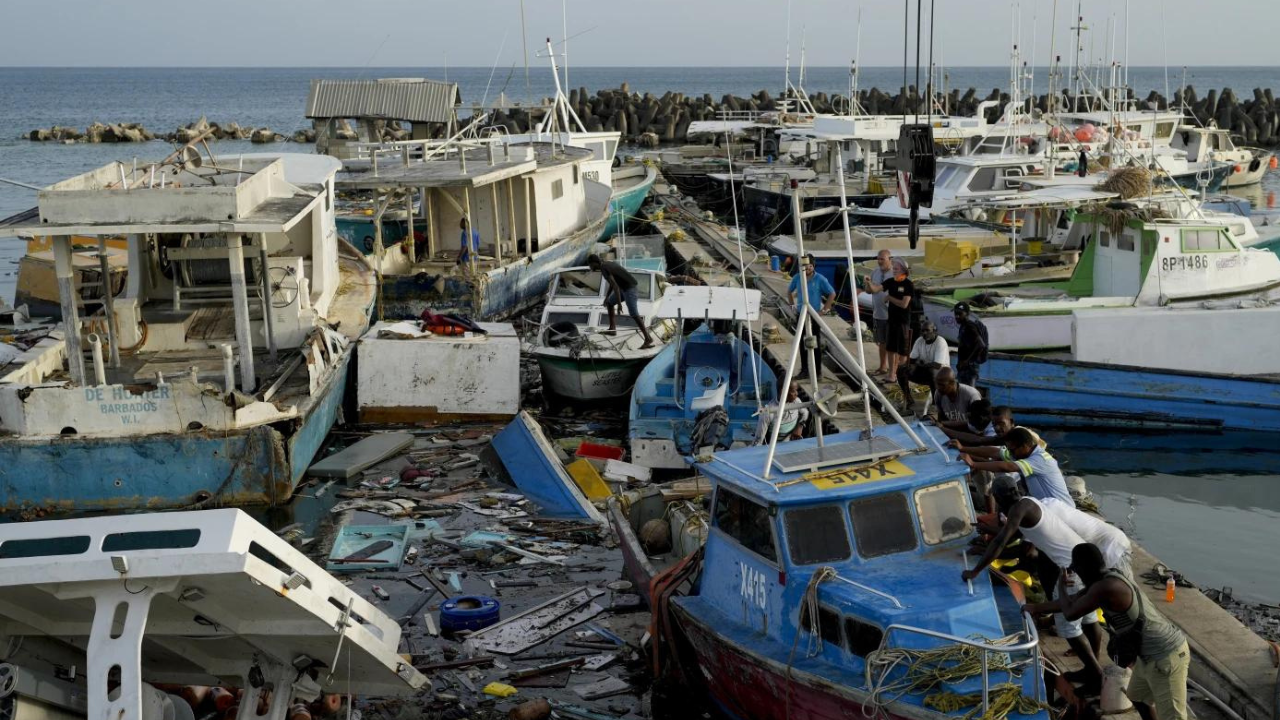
(348, 114)
(577, 296)
(233, 283)
(871, 534)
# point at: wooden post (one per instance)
(511, 218)
(378, 247)
(471, 227)
(240, 303)
(410, 242)
(497, 229)
(108, 304)
(428, 201)
(528, 216)
(64, 270)
(265, 279)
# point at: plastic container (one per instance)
(468, 612)
(596, 451)
(775, 263)
(1170, 588)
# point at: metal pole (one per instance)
(801, 319)
(528, 217)
(511, 215)
(853, 286)
(469, 232)
(267, 318)
(228, 367)
(240, 300)
(428, 201)
(497, 228)
(99, 369)
(70, 313)
(109, 304)
(805, 322)
(378, 247)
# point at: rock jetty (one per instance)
(666, 118)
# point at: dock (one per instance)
(1230, 662)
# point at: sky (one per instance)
(631, 33)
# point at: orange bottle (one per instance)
(1170, 587)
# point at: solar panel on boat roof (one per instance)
(842, 453)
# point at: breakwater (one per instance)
(651, 118)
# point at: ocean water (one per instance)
(1206, 505)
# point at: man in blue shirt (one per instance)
(821, 297)
(467, 249)
(1024, 456)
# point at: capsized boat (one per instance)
(578, 360)
(830, 579)
(704, 390)
(139, 602)
(1132, 259)
(218, 371)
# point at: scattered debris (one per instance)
(537, 625)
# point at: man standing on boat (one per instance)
(622, 288)
(822, 296)
(467, 250)
(1055, 541)
(1141, 637)
(973, 345)
(880, 307)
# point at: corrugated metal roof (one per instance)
(411, 99)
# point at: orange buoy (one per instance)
(222, 698)
(1237, 169)
(1271, 199)
(1275, 162)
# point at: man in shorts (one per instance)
(622, 288)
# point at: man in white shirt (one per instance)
(928, 355)
(793, 419)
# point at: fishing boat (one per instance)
(1132, 258)
(830, 582)
(1203, 144)
(704, 390)
(1107, 379)
(215, 375)
(531, 206)
(578, 358)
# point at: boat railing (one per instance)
(1031, 645)
(744, 115)
(867, 588)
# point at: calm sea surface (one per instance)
(1207, 506)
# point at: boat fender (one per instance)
(468, 612)
(561, 333)
(1257, 163)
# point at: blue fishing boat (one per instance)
(829, 585)
(704, 390)
(631, 185)
(1060, 391)
(214, 376)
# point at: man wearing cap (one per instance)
(973, 345)
(822, 296)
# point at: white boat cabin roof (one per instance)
(251, 194)
(483, 166)
(712, 303)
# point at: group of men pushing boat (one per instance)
(1083, 563)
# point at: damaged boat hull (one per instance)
(260, 465)
(495, 295)
(585, 378)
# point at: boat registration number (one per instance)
(1185, 262)
(884, 470)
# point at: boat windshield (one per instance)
(944, 514)
(882, 525)
(577, 284)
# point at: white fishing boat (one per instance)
(1131, 259)
(578, 358)
(1203, 144)
(214, 375)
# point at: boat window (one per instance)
(828, 623)
(1064, 222)
(944, 175)
(1204, 240)
(557, 189)
(984, 179)
(575, 174)
(746, 522)
(943, 511)
(882, 525)
(578, 284)
(575, 318)
(1237, 229)
(1104, 238)
(1164, 130)
(625, 321)
(816, 535)
(1124, 241)
(864, 638)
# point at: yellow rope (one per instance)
(1004, 699)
